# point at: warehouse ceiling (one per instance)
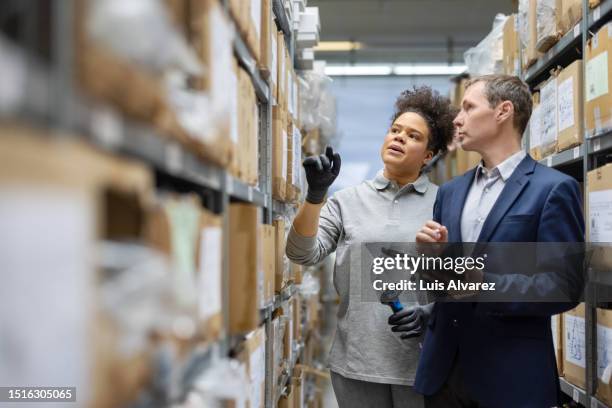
(406, 31)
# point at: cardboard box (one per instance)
(253, 356)
(535, 128)
(279, 154)
(570, 106)
(604, 355)
(254, 29)
(269, 263)
(268, 30)
(511, 57)
(574, 351)
(599, 216)
(211, 35)
(298, 384)
(594, 3)
(569, 13)
(281, 278)
(273, 79)
(278, 332)
(246, 272)
(548, 117)
(281, 81)
(556, 323)
(248, 130)
(56, 204)
(598, 67)
(297, 317)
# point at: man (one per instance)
(496, 354)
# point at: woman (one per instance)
(371, 366)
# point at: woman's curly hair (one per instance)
(435, 109)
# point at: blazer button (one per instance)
(455, 323)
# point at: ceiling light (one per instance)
(390, 69)
(358, 70)
(329, 46)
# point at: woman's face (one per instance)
(405, 150)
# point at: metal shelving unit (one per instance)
(67, 111)
(577, 162)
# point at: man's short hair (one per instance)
(500, 88)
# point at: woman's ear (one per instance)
(428, 157)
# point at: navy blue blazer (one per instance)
(504, 351)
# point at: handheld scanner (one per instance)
(391, 298)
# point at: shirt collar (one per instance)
(505, 168)
(420, 185)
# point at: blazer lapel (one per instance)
(513, 188)
(456, 208)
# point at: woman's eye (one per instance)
(414, 136)
(394, 130)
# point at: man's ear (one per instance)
(504, 110)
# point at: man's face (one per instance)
(475, 124)
(405, 145)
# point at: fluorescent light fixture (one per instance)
(439, 69)
(358, 70)
(330, 46)
(389, 69)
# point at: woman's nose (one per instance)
(399, 138)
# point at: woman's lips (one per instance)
(394, 149)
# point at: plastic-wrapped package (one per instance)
(224, 381)
(523, 22)
(317, 104)
(141, 31)
(487, 56)
(310, 285)
(134, 292)
(547, 34)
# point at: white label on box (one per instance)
(604, 353)
(576, 152)
(549, 161)
(597, 76)
(210, 272)
(46, 312)
(554, 325)
(221, 67)
(596, 145)
(549, 113)
(256, 16)
(229, 184)
(535, 127)
(565, 104)
(284, 150)
(274, 63)
(107, 126)
(597, 13)
(297, 155)
(576, 395)
(600, 216)
(577, 30)
(573, 332)
(233, 90)
(257, 367)
(173, 158)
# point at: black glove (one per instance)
(321, 171)
(411, 321)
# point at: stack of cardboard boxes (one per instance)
(557, 120)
